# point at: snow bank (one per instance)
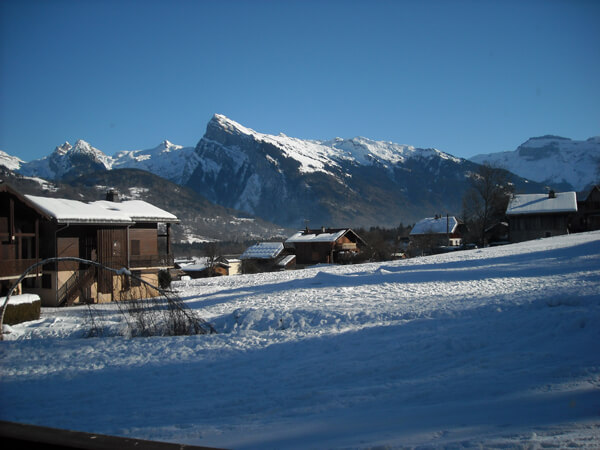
(20, 299)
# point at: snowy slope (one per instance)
(67, 159)
(314, 156)
(492, 347)
(556, 161)
(170, 161)
(10, 162)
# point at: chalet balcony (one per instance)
(16, 267)
(139, 261)
(346, 246)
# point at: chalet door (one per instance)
(69, 247)
(112, 247)
(112, 252)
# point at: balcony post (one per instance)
(168, 240)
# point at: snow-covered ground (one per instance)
(495, 347)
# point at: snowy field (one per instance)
(495, 347)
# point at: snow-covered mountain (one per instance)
(10, 162)
(285, 180)
(67, 160)
(171, 161)
(341, 182)
(562, 163)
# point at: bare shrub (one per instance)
(147, 311)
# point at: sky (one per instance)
(465, 77)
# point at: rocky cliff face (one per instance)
(343, 182)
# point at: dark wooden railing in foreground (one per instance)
(20, 436)
(15, 267)
(151, 261)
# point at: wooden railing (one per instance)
(151, 261)
(16, 267)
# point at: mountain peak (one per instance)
(82, 146)
(63, 149)
(230, 126)
(165, 146)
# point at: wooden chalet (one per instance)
(266, 257)
(588, 210)
(497, 234)
(325, 245)
(130, 234)
(534, 216)
(205, 269)
(234, 264)
(432, 233)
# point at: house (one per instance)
(130, 234)
(266, 257)
(534, 216)
(234, 264)
(202, 267)
(205, 269)
(588, 210)
(436, 232)
(497, 234)
(325, 245)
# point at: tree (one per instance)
(212, 252)
(486, 200)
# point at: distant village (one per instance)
(136, 235)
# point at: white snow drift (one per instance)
(491, 347)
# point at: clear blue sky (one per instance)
(465, 77)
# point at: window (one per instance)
(46, 281)
(135, 280)
(135, 247)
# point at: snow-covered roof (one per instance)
(74, 211)
(139, 210)
(435, 225)
(542, 203)
(199, 267)
(285, 261)
(263, 250)
(302, 236)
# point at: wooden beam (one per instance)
(21, 436)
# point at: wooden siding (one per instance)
(19, 236)
(67, 246)
(148, 240)
(144, 246)
(527, 227)
(112, 252)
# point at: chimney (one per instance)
(112, 196)
(551, 194)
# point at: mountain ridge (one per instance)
(286, 180)
(560, 162)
